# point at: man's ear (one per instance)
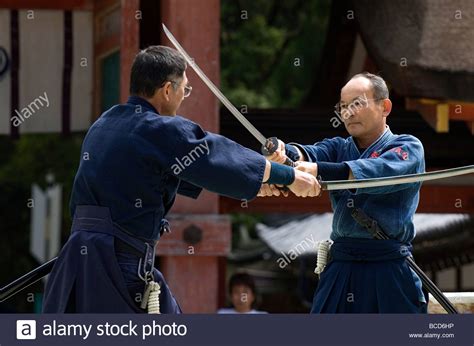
(387, 107)
(166, 90)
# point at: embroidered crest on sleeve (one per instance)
(374, 155)
(402, 153)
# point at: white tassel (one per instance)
(323, 251)
(154, 299)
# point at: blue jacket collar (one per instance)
(139, 101)
(384, 137)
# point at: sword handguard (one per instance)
(322, 184)
(269, 148)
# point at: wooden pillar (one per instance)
(189, 256)
(189, 259)
(129, 42)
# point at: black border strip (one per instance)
(15, 62)
(67, 73)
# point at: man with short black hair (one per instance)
(135, 158)
(366, 275)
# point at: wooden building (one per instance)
(80, 53)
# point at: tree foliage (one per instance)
(25, 162)
(270, 50)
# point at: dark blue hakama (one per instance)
(369, 276)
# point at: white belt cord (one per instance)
(154, 298)
(323, 252)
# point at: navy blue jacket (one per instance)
(134, 161)
(392, 206)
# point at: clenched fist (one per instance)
(269, 190)
(307, 167)
(305, 185)
(279, 155)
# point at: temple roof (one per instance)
(424, 48)
(442, 240)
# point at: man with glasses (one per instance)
(366, 275)
(135, 158)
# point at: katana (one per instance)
(26, 280)
(395, 180)
(35, 275)
(269, 145)
(376, 231)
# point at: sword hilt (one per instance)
(271, 146)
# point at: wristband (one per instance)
(281, 174)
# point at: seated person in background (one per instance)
(242, 294)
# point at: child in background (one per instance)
(242, 294)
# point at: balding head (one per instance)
(366, 82)
(365, 101)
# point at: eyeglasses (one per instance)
(355, 103)
(187, 88)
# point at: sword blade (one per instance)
(396, 180)
(235, 112)
(26, 280)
